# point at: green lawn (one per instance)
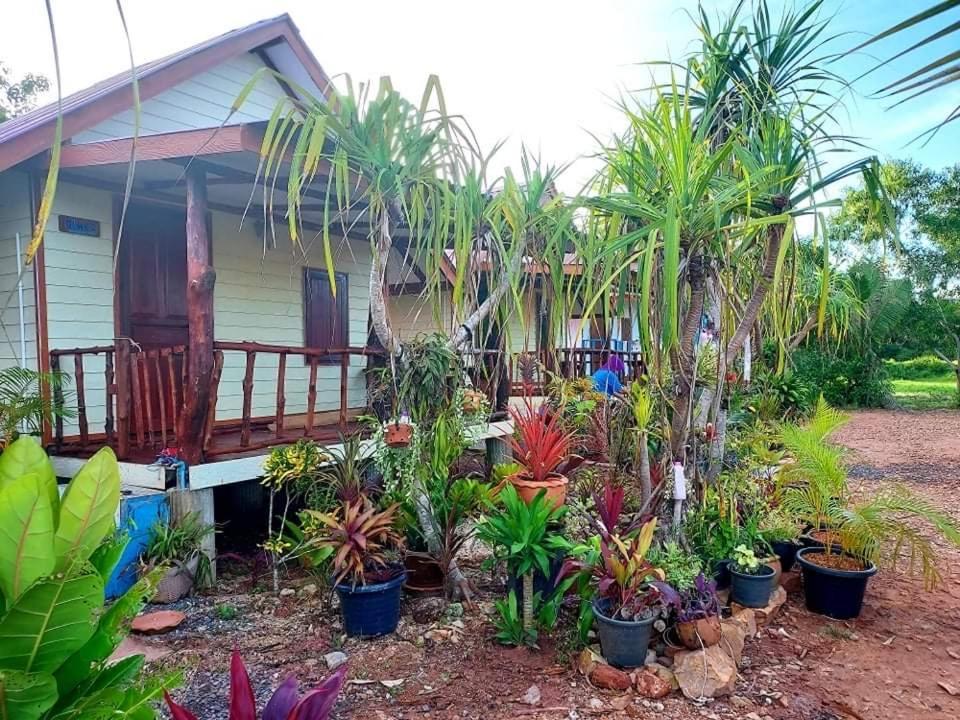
(926, 394)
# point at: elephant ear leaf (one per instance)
(24, 455)
(26, 535)
(88, 509)
(26, 696)
(51, 621)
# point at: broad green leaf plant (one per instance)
(56, 556)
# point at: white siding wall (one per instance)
(413, 315)
(203, 101)
(79, 273)
(15, 218)
(260, 297)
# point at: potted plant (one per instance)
(398, 432)
(630, 592)
(855, 537)
(780, 533)
(542, 449)
(698, 622)
(365, 554)
(751, 580)
(519, 534)
(178, 546)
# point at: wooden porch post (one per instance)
(200, 281)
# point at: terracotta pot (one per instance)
(555, 485)
(774, 562)
(472, 401)
(704, 632)
(397, 434)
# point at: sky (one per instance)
(544, 74)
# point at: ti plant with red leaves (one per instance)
(540, 444)
(627, 583)
(357, 538)
(286, 703)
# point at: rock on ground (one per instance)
(705, 673)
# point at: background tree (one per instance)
(19, 96)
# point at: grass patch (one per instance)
(931, 393)
(838, 632)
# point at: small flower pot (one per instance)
(472, 401)
(786, 550)
(397, 435)
(624, 643)
(371, 610)
(555, 485)
(752, 591)
(836, 593)
(702, 633)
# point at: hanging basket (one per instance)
(397, 434)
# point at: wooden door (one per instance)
(153, 276)
(153, 312)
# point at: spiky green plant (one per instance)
(28, 399)
(892, 526)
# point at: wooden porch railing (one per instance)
(144, 392)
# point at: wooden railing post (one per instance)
(344, 369)
(111, 395)
(81, 399)
(214, 394)
(57, 403)
(281, 394)
(122, 353)
(247, 399)
(311, 396)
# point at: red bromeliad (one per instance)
(540, 443)
(285, 704)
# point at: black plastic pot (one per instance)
(786, 550)
(752, 591)
(721, 573)
(624, 643)
(371, 610)
(834, 593)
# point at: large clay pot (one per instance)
(702, 633)
(424, 574)
(555, 485)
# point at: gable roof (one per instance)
(32, 133)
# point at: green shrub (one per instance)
(844, 382)
(919, 368)
(680, 567)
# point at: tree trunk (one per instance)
(686, 360)
(764, 282)
(528, 603)
(200, 281)
(645, 485)
(379, 312)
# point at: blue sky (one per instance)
(542, 73)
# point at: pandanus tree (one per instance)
(413, 178)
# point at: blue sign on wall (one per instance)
(79, 226)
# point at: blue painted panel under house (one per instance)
(138, 513)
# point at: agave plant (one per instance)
(285, 704)
(56, 556)
(357, 537)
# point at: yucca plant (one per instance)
(885, 529)
(642, 405)
(358, 538)
(56, 556)
(286, 703)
